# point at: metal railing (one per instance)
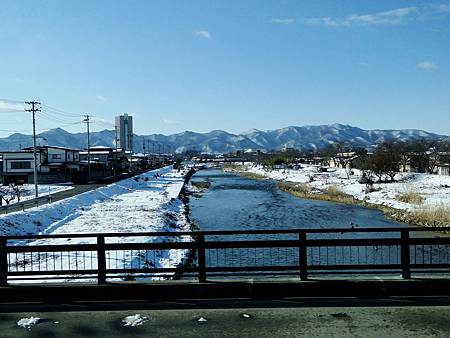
(33, 202)
(210, 254)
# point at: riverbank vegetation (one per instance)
(419, 215)
(411, 197)
(430, 216)
(426, 216)
(201, 184)
(303, 190)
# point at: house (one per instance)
(343, 160)
(287, 149)
(443, 169)
(54, 165)
(105, 161)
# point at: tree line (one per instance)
(383, 161)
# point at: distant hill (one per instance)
(219, 141)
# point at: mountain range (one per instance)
(219, 141)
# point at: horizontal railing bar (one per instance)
(430, 265)
(252, 268)
(429, 241)
(355, 267)
(231, 232)
(221, 244)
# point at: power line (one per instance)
(57, 118)
(61, 112)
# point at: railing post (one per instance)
(201, 258)
(3, 262)
(405, 259)
(101, 260)
(303, 258)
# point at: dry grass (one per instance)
(251, 175)
(302, 189)
(201, 184)
(411, 197)
(431, 216)
(331, 193)
(335, 191)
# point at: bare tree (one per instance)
(384, 162)
(10, 193)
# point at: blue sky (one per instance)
(232, 65)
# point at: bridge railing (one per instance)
(212, 254)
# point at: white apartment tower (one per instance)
(124, 132)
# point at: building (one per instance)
(105, 161)
(124, 130)
(54, 165)
(287, 149)
(443, 169)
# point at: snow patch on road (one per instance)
(135, 320)
(28, 323)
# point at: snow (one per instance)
(28, 323)
(435, 189)
(135, 320)
(145, 203)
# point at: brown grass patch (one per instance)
(411, 197)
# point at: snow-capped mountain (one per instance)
(218, 141)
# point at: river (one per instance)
(233, 202)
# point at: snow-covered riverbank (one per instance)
(434, 189)
(145, 203)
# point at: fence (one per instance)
(211, 254)
(34, 202)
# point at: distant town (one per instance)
(58, 164)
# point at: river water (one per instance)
(236, 203)
(233, 202)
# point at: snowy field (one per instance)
(435, 189)
(27, 191)
(145, 203)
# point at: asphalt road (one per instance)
(391, 321)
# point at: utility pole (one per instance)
(145, 156)
(87, 120)
(116, 141)
(33, 110)
(116, 137)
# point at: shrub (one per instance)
(411, 197)
(299, 188)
